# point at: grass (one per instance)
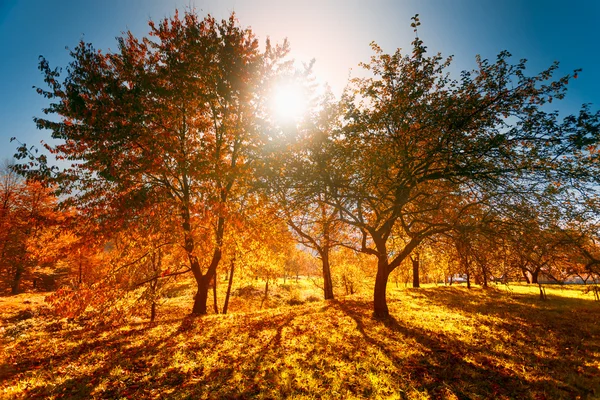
(442, 343)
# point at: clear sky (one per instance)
(336, 33)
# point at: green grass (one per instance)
(442, 342)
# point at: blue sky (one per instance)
(336, 33)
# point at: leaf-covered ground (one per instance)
(442, 342)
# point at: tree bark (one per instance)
(415, 265)
(267, 287)
(327, 281)
(201, 297)
(484, 274)
(380, 308)
(468, 279)
(202, 280)
(534, 276)
(17, 279)
(153, 311)
(215, 305)
(229, 283)
(80, 269)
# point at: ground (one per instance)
(441, 343)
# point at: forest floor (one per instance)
(441, 343)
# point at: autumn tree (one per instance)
(170, 118)
(30, 229)
(353, 270)
(297, 183)
(419, 149)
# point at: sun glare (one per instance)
(289, 102)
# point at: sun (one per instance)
(289, 102)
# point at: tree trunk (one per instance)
(380, 308)
(468, 279)
(201, 296)
(484, 275)
(229, 283)
(17, 279)
(215, 305)
(203, 281)
(153, 311)
(415, 265)
(463, 252)
(267, 287)
(80, 271)
(266, 292)
(327, 282)
(534, 276)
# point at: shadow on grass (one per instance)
(442, 366)
(557, 339)
(322, 350)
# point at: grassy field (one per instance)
(442, 343)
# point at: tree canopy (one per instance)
(177, 124)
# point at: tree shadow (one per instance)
(248, 356)
(442, 358)
(467, 370)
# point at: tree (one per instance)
(171, 118)
(419, 150)
(296, 178)
(317, 224)
(30, 233)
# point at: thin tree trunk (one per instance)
(80, 269)
(463, 252)
(229, 283)
(468, 279)
(267, 287)
(266, 292)
(215, 305)
(484, 275)
(153, 311)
